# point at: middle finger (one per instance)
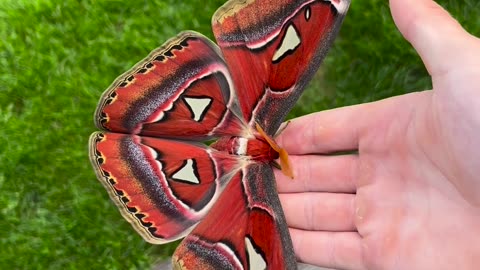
(319, 211)
(319, 173)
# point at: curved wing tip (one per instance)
(341, 5)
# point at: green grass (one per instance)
(57, 57)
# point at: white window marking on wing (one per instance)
(290, 42)
(256, 261)
(307, 13)
(187, 173)
(198, 106)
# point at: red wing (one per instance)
(245, 229)
(281, 45)
(162, 187)
(181, 90)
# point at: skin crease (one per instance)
(410, 199)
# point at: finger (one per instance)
(323, 132)
(319, 211)
(339, 250)
(345, 128)
(438, 38)
(314, 173)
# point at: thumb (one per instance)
(438, 38)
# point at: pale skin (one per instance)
(410, 197)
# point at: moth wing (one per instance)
(245, 229)
(273, 49)
(162, 187)
(181, 90)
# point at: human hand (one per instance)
(410, 198)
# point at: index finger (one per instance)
(343, 129)
(322, 132)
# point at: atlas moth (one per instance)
(151, 155)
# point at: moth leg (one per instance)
(282, 127)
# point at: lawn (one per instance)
(57, 57)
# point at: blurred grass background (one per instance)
(57, 57)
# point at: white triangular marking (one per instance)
(198, 106)
(187, 173)
(289, 43)
(255, 259)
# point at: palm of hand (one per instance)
(415, 199)
(412, 187)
